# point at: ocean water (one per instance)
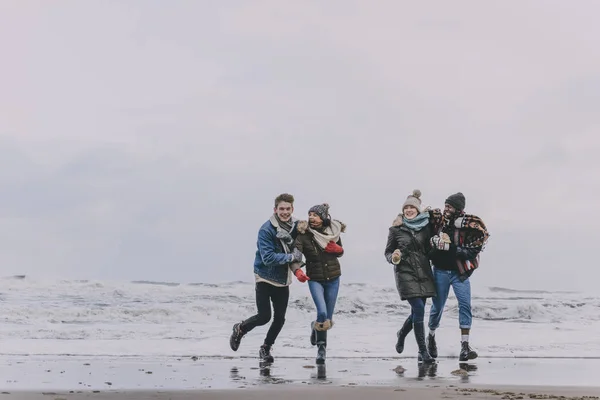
(101, 318)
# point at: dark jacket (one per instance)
(320, 265)
(413, 274)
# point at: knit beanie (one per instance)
(322, 210)
(414, 200)
(457, 200)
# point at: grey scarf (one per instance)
(287, 225)
(283, 232)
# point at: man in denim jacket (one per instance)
(275, 261)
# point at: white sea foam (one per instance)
(162, 318)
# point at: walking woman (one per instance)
(319, 241)
(408, 250)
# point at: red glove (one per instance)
(302, 277)
(334, 248)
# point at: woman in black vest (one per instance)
(320, 243)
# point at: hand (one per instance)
(302, 226)
(445, 238)
(434, 240)
(295, 256)
(396, 256)
(439, 244)
(302, 277)
(284, 236)
(334, 248)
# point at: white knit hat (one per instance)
(414, 200)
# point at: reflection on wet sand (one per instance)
(234, 374)
(251, 373)
(321, 372)
(265, 370)
(428, 370)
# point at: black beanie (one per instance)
(457, 200)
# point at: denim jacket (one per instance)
(271, 262)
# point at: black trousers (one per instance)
(265, 295)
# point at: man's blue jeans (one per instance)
(462, 291)
(324, 294)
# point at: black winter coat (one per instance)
(414, 277)
(320, 266)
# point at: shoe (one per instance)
(424, 355)
(264, 353)
(321, 346)
(236, 336)
(402, 333)
(432, 346)
(466, 352)
(313, 334)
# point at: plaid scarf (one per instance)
(471, 233)
(472, 230)
(476, 234)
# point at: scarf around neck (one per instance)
(331, 233)
(450, 221)
(418, 222)
(286, 226)
(283, 232)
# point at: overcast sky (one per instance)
(148, 139)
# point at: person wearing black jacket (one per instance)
(408, 248)
(319, 240)
(458, 239)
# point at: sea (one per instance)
(156, 319)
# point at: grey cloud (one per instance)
(148, 142)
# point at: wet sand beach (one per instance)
(347, 393)
(31, 377)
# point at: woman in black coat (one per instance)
(408, 249)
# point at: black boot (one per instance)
(405, 330)
(420, 336)
(466, 352)
(265, 353)
(313, 334)
(432, 346)
(236, 336)
(321, 345)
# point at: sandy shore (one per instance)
(324, 392)
(32, 377)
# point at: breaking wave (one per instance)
(29, 302)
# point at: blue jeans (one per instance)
(462, 291)
(324, 294)
(417, 309)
